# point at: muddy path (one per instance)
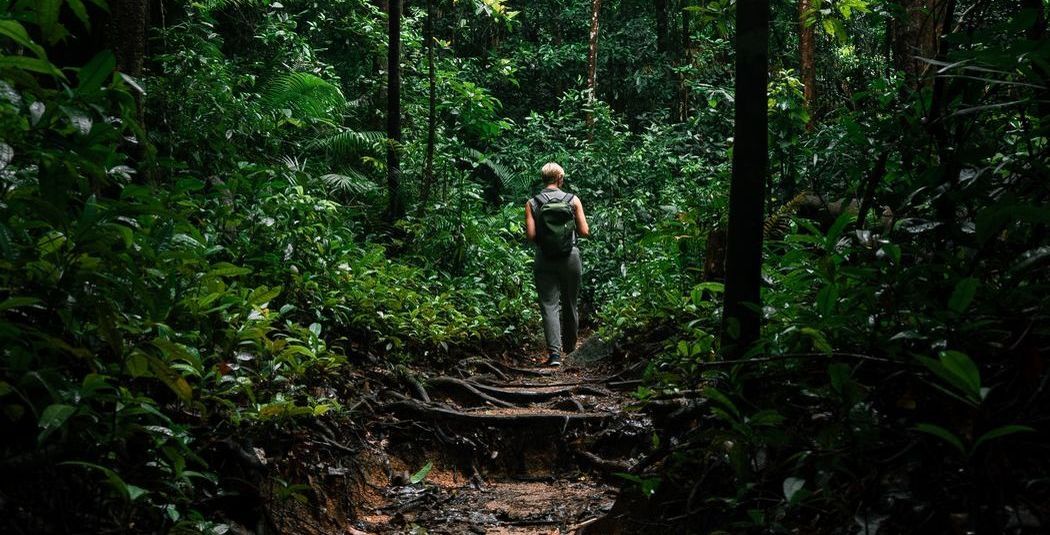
(500, 446)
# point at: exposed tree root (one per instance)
(520, 416)
(470, 387)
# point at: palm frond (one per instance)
(349, 142)
(305, 95)
(350, 182)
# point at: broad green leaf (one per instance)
(716, 395)
(820, 342)
(137, 364)
(943, 434)
(1001, 432)
(963, 294)
(224, 269)
(80, 11)
(421, 474)
(53, 417)
(47, 14)
(827, 297)
(263, 295)
(16, 302)
(170, 377)
(1031, 258)
(37, 65)
(17, 33)
(836, 229)
(994, 219)
(96, 72)
(961, 366)
(128, 492)
(792, 486)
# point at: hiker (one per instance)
(553, 220)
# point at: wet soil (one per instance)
(512, 448)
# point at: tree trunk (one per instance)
(741, 316)
(127, 34)
(428, 170)
(682, 105)
(1037, 33)
(915, 35)
(592, 51)
(807, 50)
(661, 26)
(395, 207)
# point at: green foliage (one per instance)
(304, 95)
(208, 259)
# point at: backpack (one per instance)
(555, 224)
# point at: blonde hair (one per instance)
(551, 172)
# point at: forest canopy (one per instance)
(248, 246)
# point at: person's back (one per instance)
(553, 220)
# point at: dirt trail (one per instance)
(514, 448)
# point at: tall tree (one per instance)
(592, 54)
(807, 51)
(741, 314)
(682, 101)
(126, 33)
(395, 206)
(915, 34)
(428, 167)
(661, 26)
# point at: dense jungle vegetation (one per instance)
(820, 223)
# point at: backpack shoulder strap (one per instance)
(545, 197)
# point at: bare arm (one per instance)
(581, 219)
(530, 223)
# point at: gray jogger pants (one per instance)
(558, 286)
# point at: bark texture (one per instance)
(741, 317)
(126, 33)
(661, 26)
(915, 34)
(395, 207)
(428, 168)
(592, 52)
(807, 53)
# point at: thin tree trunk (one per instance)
(1037, 33)
(395, 207)
(126, 35)
(683, 87)
(741, 316)
(592, 57)
(661, 26)
(807, 51)
(428, 170)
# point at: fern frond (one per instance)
(774, 224)
(507, 177)
(306, 95)
(349, 142)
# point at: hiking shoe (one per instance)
(554, 360)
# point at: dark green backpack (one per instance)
(555, 224)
